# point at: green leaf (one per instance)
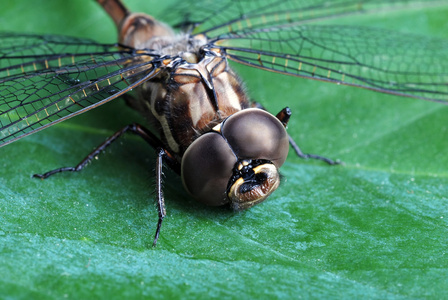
(374, 227)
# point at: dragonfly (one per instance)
(227, 149)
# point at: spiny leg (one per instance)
(284, 115)
(300, 154)
(134, 128)
(159, 192)
(162, 156)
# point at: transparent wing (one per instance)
(47, 79)
(214, 18)
(280, 36)
(375, 59)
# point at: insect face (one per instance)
(238, 161)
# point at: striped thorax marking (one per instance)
(196, 95)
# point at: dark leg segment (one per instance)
(312, 156)
(284, 116)
(162, 156)
(134, 128)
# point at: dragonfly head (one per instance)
(237, 163)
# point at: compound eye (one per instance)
(256, 134)
(206, 169)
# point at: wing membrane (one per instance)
(44, 88)
(376, 59)
(280, 36)
(215, 18)
(25, 49)
(46, 79)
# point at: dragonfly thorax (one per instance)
(141, 31)
(194, 90)
(189, 99)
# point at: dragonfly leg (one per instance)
(284, 116)
(300, 154)
(134, 128)
(161, 154)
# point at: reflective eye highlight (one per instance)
(256, 134)
(238, 163)
(206, 169)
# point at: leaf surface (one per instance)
(375, 227)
